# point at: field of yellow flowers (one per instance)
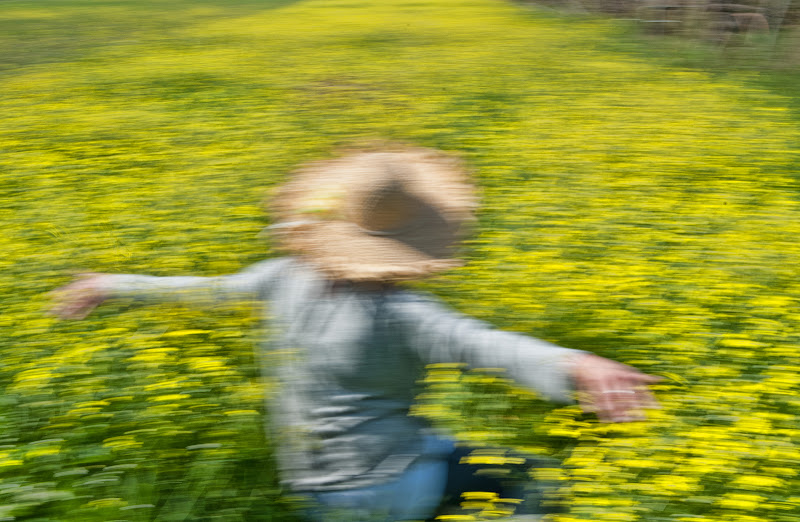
(642, 211)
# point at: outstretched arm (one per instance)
(77, 299)
(614, 391)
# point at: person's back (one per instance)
(347, 381)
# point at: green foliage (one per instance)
(642, 211)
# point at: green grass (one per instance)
(639, 200)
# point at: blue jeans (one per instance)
(432, 485)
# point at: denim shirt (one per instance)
(348, 360)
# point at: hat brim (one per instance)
(343, 250)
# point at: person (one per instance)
(351, 342)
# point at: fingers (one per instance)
(70, 306)
(74, 310)
(617, 405)
(622, 404)
(613, 391)
(77, 299)
(614, 402)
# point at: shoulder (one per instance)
(417, 305)
(408, 296)
(258, 277)
(268, 269)
(284, 278)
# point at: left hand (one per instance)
(77, 299)
(614, 391)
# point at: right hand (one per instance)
(615, 392)
(77, 299)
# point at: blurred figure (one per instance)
(354, 342)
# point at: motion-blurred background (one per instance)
(639, 174)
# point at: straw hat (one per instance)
(386, 215)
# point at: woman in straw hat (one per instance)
(356, 226)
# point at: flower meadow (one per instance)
(639, 210)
